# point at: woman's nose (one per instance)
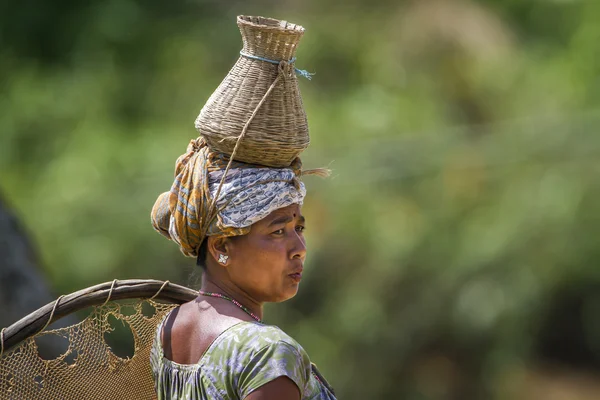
(299, 246)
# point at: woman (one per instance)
(251, 247)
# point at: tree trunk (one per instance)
(23, 288)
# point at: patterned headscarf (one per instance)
(248, 193)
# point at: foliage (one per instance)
(464, 207)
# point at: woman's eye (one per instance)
(281, 231)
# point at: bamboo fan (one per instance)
(88, 369)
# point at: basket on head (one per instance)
(278, 131)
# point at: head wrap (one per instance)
(248, 193)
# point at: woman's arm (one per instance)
(282, 388)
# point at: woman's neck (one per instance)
(209, 284)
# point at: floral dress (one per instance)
(239, 361)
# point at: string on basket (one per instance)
(2, 341)
(112, 286)
(301, 72)
(165, 283)
(212, 210)
(53, 310)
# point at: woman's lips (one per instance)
(296, 276)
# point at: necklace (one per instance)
(237, 303)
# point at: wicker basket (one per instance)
(278, 132)
(88, 368)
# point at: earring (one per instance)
(223, 259)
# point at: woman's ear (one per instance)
(218, 249)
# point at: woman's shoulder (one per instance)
(257, 354)
(250, 346)
(257, 336)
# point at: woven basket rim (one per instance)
(271, 24)
(35, 321)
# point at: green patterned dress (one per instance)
(242, 359)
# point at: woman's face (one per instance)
(267, 263)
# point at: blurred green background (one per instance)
(453, 254)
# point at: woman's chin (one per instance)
(287, 294)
